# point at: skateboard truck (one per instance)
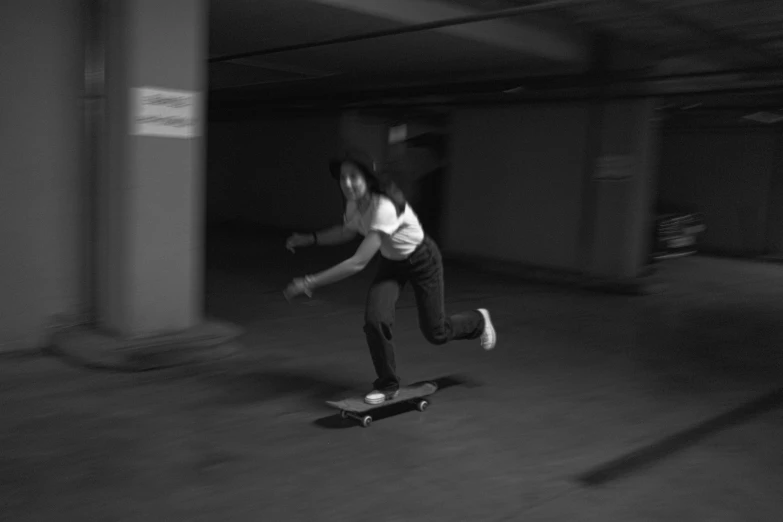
(366, 420)
(355, 408)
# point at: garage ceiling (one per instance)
(308, 53)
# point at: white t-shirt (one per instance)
(400, 235)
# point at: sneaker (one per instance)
(488, 338)
(379, 397)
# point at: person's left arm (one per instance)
(384, 222)
(351, 266)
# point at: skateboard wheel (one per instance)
(422, 405)
(366, 421)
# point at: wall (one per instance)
(513, 192)
(40, 174)
(274, 172)
(726, 174)
(365, 132)
(419, 165)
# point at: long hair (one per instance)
(377, 182)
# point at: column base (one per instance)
(91, 348)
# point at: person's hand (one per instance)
(298, 286)
(298, 240)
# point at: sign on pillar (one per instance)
(614, 167)
(164, 113)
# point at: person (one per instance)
(377, 209)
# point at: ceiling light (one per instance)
(764, 117)
(515, 90)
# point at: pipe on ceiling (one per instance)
(415, 28)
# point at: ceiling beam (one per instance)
(555, 82)
(723, 38)
(429, 15)
(530, 36)
(247, 110)
(497, 92)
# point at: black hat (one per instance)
(361, 159)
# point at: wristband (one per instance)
(308, 285)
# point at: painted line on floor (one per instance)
(682, 440)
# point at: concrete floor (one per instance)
(592, 408)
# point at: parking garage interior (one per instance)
(153, 370)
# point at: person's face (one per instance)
(352, 181)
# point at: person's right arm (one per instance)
(336, 235)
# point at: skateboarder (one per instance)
(376, 209)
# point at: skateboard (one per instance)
(355, 407)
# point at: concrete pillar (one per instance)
(150, 207)
(367, 133)
(774, 233)
(622, 179)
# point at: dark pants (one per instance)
(424, 270)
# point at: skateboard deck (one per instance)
(356, 408)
